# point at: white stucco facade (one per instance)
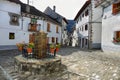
(88, 27)
(20, 31)
(110, 24)
(64, 33)
(5, 27)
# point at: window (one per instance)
(48, 27)
(86, 12)
(53, 39)
(116, 37)
(80, 18)
(56, 40)
(14, 19)
(56, 29)
(86, 27)
(115, 8)
(11, 35)
(117, 34)
(83, 15)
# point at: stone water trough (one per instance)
(38, 66)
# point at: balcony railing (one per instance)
(33, 27)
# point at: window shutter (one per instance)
(116, 8)
(56, 29)
(118, 34)
(48, 27)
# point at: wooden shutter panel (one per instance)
(118, 34)
(48, 27)
(114, 9)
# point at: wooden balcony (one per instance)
(32, 27)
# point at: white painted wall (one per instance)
(110, 24)
(97, 24)
(21, 31)
(43, 27)
(5, 27)
(64, 33)
(93, 21)
(53, 32)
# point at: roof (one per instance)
(36, 12)
(82, 9)
(65, 20)
(15, 1)
(48, 11)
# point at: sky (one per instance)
(66, 8)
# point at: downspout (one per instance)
(21, 22)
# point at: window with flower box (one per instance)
(14, 19)
(117, 37)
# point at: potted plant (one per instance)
(52, 48)
(57, 47)
(30, 46)
(116, 40)
(20, 46)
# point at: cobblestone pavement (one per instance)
(81, 64)
(93, 65)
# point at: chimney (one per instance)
(27, 7)
(54, 8)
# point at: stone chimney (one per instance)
(27, 7)
(54, 8)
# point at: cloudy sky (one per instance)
(66, 8)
